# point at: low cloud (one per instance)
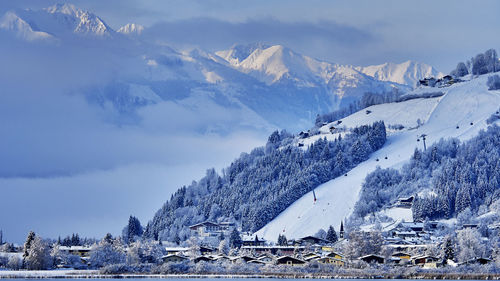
(321, 38)
(67, 167)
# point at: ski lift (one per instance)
(418, 139)
(458, 127)
(385, 158)
(471, 123)
(345, 175)
(376, 159)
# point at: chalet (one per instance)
(81, 251)
(333, 258)
(206, 229)
(288, 260)
(205, 250)
(265, 258)
(446, 81)
(404, 234)
(470, 226)
(176, 250)
(310, 256)
(202, 258)
(372, 259)
(312, 240)
(227, 226)
(304, 134)
(427, 261)
(249, 240)
(402, 255)
(414, 226)
(173, 258)
(478, 261)
(429, 82)
(244, 259)
(332, 129)
(274, 250)
(405, 202)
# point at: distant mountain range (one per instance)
(264, 86)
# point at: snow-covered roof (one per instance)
(176, 249)
(75, 248)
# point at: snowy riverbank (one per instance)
(95, 274)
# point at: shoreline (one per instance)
(96, 275)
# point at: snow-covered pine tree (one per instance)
(235, 239)
(331, 235)
(27, 244)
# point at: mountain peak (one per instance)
(131, 29)
(55, 21)
(405, 73)
(239, 52)
(66, 8)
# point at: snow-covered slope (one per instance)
(462, 105)
(406, 73)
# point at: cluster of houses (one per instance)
(295, 253)
(407, 242)
(445, 81)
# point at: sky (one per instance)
(65, 168)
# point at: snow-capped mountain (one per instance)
(13, 22)
(406, 73)
(278, 65)
(131, 29)
(256, 79)
(54, 22)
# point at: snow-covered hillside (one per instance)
(460, 113)
(406, 73)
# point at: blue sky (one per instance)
(112, 172)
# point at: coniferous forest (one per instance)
(274, 176)
(447, 179)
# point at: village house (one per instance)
(206, 229)
(176, 250)
(82, 251)
(402, 256)
(372, 259)
(244, 259)
(333, 258)
(267, 258)
(404, 202)
(173, 258)
(249, 240)
(202, 258)
(310, 256)
(425, 261)
(288, 260)
(477, 261)
(274, 250)
(311, 240)
(205, 250)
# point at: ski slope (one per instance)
(463, 104)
